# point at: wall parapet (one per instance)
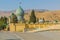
(21, 27)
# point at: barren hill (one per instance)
(47, 15)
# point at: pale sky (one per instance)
(7, 5)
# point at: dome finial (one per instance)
(20, 3)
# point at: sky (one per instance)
(8, 5)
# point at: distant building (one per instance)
(41, 20)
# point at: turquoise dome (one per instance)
(19, 12)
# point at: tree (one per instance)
(43, 20)
(14, 19)
(33, 17)
(3, 23)
(5, 20)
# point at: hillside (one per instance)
(47, 15)
(5, 13)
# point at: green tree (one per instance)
(33, 17)
(3, 23)
(14, 19)
(5, 20)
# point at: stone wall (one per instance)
(21, 27)
(17, 27)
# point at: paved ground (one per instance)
(40, 36)
(30, 36)
(9, 36)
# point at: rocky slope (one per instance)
(47, 15)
